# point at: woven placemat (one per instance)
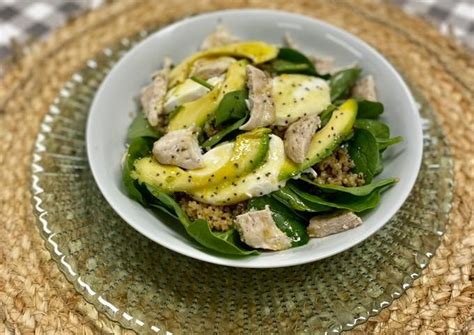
(34, 295)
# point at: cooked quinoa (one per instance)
(220, 218)
(337, 169)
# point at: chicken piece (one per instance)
(262, 108)
(258, 230)
(220, 37)
(289, 41)
(328, 224)
(207, 68)
(323, 65)
(365, 89)
(298, 137)
(180, 148)
(153, 95)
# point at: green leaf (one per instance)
(286, 196)
(385, 143)
(282, 66)
(231, 108)
(170, 203)
(363, 150)
(174, 112)
(343, 200)
(141, 128)
(226, 243)
(325, 115)
(342, 81)
(379, 129)
(219, 136)
(357, 191)
(138, 148)
(369, 109)
(379, 167)
(292, 61)
(202, 82)
(285, 219)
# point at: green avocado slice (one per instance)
(231, 161)
(195, 113)
(325, 140)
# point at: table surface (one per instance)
(24, 20)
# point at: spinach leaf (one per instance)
(168, 201)
(377, 128)
(141, 128)
(357, 191)
(292, 61)
(379, 167)
(219, 136)
(282, 66)
(138, 148)
(369, 109)
(231, 108)
(385, 143)
(285, 219)
(363, 150)
(342, 200)
(174, 112)
(202, 82)
(326, 114)
(342, 81)
(226, 243)
(380, 131)
(286, 196)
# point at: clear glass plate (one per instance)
(151, 289)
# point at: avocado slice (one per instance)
(258, 52)
(195, 113)
(262, 180)
(325, 140)
(225, 162)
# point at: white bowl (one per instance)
(114, 106)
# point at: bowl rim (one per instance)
(236, 262)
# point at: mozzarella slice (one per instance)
(187, 91)
(297, 95)
(263, 180)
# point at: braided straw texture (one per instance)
(36, 298)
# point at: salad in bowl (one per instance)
(258, 147)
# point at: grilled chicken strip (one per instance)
(220, 37)
(298, 137)
(153, 95)
(262, 108)
(180, 148)
(328, 224)
(365, 89)
(258, 230)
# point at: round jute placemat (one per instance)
(35, 296)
